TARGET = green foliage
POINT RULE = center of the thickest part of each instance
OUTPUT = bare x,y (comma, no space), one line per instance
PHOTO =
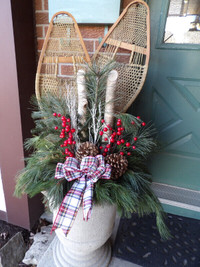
145,143
95,81
38,175
131,192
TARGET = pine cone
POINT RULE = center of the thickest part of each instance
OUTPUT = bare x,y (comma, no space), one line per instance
118,165
86,149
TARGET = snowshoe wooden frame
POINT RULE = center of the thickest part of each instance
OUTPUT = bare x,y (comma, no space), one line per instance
128,43
63,44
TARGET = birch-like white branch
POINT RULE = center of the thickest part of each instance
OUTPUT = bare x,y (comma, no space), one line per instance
82,96
110,100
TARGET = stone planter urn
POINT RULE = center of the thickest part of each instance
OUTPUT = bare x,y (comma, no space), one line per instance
87,244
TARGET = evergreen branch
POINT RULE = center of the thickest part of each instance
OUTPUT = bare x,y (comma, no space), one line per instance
130,193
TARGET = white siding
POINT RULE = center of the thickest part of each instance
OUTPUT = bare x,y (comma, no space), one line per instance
2,198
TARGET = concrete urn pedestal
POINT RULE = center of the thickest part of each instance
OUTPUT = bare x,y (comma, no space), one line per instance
87,244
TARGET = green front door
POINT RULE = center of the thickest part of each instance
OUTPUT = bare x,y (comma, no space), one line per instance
171,99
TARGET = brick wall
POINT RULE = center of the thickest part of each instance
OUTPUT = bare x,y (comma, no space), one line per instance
90,33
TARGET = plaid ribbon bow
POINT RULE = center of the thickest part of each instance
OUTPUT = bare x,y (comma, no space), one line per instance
86,173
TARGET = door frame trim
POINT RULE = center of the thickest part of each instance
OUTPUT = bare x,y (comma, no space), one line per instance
177,196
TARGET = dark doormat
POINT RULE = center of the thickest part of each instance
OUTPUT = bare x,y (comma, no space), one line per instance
139,242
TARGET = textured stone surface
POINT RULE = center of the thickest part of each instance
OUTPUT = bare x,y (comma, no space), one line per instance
86,243
42,240
48,261
115,262
48,216
13,251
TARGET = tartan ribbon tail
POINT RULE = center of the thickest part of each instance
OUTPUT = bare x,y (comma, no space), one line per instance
87,200
69,207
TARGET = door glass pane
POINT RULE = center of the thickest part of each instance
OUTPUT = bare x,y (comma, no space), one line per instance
183,22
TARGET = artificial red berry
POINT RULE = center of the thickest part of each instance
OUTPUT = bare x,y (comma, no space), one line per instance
63,118
143,123
109,126
105,129
119,133
119,129
112,140
54,114
138,117
104,154
119,120
73,142
118,143
61,145
114,134
122,141
128,153
69,141
73,130
63,124
101,132
105,139
108,145
121,153
70,135
132,122
128,144
118,123
59,115
68,120
135,138
63,131
122,129
102,121
100,147
105,149
134,147
62,135
56,127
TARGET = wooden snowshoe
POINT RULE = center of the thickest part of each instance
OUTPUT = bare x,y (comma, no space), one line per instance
63,46
128,43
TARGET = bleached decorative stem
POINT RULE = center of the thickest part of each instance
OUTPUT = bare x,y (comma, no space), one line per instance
82,96
110,98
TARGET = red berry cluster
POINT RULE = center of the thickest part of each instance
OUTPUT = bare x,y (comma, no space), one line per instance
67,134
115,139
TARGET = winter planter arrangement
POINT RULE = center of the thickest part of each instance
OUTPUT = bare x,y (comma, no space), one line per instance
90,161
